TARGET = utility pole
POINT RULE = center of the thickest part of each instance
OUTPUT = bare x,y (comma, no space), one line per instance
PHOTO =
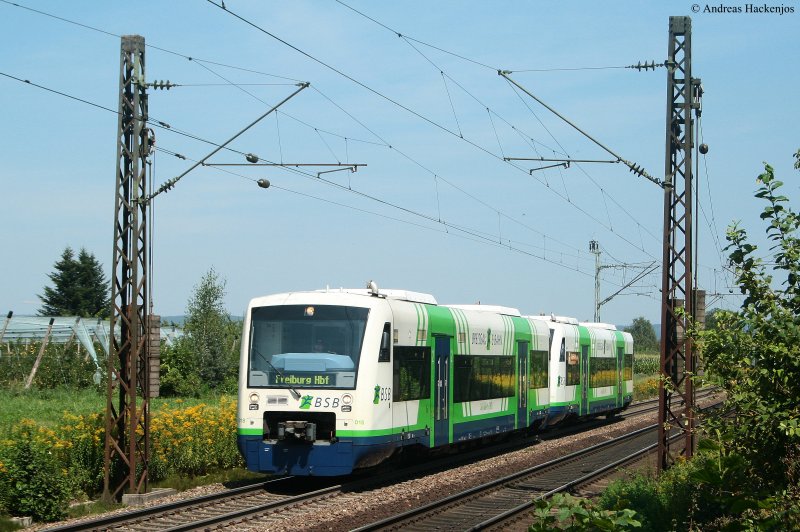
594,247
127,444
676,388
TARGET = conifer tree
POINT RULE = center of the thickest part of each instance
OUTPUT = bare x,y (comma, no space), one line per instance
79,287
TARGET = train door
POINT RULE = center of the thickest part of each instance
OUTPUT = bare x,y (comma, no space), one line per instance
522,385
441,428
584,379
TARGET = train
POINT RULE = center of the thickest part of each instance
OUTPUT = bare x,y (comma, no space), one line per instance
336,380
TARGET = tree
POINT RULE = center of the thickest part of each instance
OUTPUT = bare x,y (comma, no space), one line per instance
756,351
79,287
644,336
711,318
207,327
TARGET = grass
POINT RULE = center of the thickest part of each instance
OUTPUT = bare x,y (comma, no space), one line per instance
6,524
47,406
229,477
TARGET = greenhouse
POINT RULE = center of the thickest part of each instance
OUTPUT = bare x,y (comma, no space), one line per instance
86,332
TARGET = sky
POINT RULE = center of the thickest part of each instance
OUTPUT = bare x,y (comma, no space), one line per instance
410,90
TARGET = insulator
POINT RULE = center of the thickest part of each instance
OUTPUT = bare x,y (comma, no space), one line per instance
263,183
251,158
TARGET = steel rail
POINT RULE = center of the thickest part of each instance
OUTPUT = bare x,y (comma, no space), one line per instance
154,511
498,482
414,515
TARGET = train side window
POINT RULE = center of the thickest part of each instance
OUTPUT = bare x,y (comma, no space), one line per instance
603,372
480,377
627,367
384,355
539,369
573,369
561,354
412,373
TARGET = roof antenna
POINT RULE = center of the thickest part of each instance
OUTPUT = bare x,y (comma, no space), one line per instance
373,287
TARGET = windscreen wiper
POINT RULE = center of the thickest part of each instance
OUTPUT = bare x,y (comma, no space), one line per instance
295,393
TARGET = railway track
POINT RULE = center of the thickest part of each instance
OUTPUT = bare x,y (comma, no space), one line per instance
496,504
492,503
274,499
169,515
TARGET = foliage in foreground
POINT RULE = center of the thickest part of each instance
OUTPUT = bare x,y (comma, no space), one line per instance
567,512
42,469
756,351
710,492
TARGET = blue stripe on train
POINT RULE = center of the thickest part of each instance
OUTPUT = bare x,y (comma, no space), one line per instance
598,406
483,427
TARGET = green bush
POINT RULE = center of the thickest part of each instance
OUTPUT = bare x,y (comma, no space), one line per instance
32,481
174,383
564,511
661,504
82,449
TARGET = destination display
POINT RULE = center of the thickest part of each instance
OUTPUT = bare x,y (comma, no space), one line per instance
303,379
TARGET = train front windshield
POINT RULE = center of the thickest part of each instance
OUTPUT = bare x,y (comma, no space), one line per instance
305,346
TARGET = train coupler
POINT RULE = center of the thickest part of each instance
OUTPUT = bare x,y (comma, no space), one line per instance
297,430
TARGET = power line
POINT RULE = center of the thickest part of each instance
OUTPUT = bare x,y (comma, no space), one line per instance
443,74
201,61
389,99
166,126
473,232
462,231
416,40
154,47
386,144
636,169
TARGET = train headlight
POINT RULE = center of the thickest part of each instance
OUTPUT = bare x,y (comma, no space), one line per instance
254,397
347,399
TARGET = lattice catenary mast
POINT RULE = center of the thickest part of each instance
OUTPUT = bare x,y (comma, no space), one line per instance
127,444
676,388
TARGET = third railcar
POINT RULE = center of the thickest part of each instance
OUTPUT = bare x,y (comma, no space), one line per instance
335,380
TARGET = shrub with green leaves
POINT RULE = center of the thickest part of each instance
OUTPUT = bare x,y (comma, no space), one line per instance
661,503
755,352
32,480
564,511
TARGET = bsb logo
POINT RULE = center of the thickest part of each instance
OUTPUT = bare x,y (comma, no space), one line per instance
377,397
305,402
487,339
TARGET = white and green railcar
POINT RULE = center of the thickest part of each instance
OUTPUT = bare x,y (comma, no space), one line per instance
591,368
336,380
